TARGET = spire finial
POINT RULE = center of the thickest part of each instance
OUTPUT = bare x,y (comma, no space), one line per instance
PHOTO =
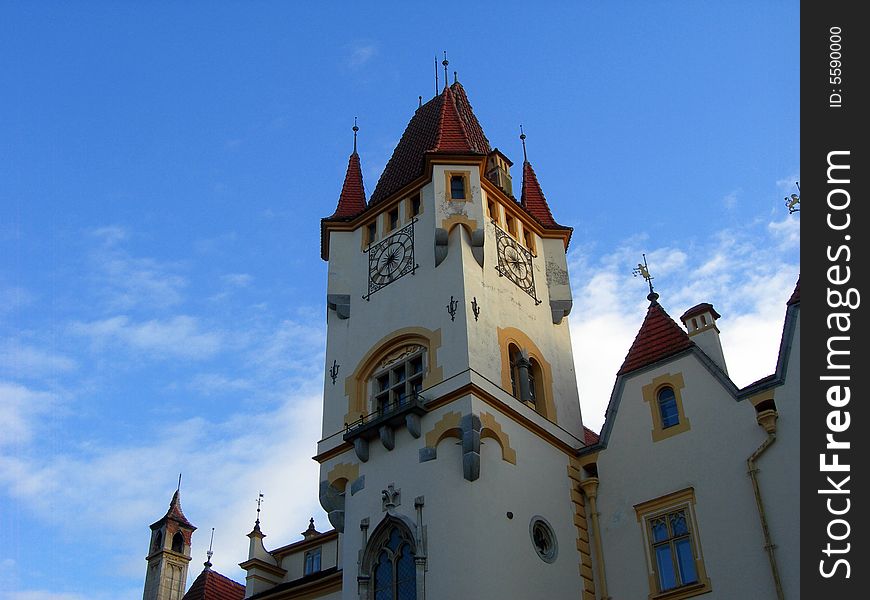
355,129
209,553
523,139
455,77
445,63
178,489
419,101
436,73
259,502
643,271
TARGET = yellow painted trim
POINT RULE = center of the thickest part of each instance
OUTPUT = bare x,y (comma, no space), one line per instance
580,523
364,234
490,428
650,396
409,215
453,220
333,452
386,219
512,335
447,426
346,472
645,511
466,183
356,383
760,397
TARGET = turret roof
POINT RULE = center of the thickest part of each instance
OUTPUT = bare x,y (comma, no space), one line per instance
211,585
659,337
352,200
174,514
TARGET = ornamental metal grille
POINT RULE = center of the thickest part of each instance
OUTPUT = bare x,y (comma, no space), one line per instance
390,259
515,262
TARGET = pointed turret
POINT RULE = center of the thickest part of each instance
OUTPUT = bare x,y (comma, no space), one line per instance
659,337
169,553
532,197
352,200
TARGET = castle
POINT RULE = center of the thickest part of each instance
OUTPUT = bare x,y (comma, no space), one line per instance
453,458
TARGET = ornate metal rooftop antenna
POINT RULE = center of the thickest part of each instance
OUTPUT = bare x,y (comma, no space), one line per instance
643,271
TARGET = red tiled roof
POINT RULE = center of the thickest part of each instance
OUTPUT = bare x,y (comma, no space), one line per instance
174,513
589,437
698,309
444,124
796,295
211,585
658,338
352,200
533,200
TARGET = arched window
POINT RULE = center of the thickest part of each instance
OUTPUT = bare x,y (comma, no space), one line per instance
158,540
178,542
400,378
536,380
668,407
527,377
394,573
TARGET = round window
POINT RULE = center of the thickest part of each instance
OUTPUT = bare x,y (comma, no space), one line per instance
543,539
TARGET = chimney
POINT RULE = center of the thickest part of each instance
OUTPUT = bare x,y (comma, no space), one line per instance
700,323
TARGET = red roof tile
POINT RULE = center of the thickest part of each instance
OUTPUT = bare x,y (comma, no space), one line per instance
533,200
658,338
174,513
444,124
796,295
211,585
589,437
352,200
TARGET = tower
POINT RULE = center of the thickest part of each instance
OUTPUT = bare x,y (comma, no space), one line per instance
451,418
168,554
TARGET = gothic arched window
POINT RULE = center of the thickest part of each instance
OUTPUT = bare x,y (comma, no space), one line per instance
178,542
394,575
158,540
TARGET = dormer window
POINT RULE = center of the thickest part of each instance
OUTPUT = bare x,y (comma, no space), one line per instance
312,561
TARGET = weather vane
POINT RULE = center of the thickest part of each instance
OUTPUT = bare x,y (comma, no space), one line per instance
643,271
259,502
794,200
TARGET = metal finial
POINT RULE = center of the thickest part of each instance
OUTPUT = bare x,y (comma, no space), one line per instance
419,101
643,271
259,502
445,63
523,139
355,129
436,74
455,77
178,489
209,553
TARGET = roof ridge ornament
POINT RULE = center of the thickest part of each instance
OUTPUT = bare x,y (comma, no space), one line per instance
209,553
445,63
355,129
643,271
523,140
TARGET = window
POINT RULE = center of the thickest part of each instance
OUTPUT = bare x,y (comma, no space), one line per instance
371,232
529,239
394,575
158,540
665,396
526,377
543,539
399,382
178,542
668,408
525,373
511,225
492,210
312,561
414,206
673,546
393,219
457,187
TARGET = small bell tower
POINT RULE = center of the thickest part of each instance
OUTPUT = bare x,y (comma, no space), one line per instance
169,553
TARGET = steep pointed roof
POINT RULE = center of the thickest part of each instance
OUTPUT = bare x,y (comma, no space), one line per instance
352,200
659,337
174,514
533,199
590,437
211,585
446,124
796,295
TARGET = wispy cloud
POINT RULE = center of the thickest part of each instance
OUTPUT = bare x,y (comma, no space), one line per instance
20,360
360,54
178,337
237,279
20,409
744,273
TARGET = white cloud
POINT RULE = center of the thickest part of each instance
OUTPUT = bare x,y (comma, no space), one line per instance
19,409
41,595
360,54
20,360
179,336
14,297
237,279
744,273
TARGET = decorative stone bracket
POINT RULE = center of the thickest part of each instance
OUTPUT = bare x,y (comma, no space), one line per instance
340,303
478,236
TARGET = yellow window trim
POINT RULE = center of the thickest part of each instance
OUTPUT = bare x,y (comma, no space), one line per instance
645,511
512,335
650,396
466,175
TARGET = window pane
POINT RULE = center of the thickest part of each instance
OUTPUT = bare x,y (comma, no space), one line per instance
384,578
659,528
668,408
686,561
417,365
457,188
395,540
678,523
383,382
665,565
399,374
406,575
